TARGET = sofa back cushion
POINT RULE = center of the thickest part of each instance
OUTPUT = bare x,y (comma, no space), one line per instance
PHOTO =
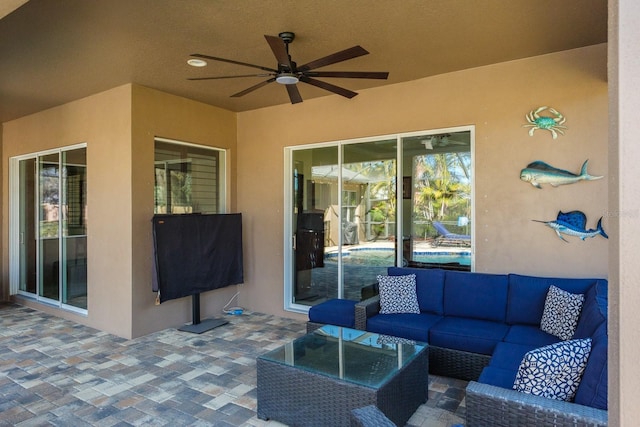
593,388
429,287
594,310
475,295
527,295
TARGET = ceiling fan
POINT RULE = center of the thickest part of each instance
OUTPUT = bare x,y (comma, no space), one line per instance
288,73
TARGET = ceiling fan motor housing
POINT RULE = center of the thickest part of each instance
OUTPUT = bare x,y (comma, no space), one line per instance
287,36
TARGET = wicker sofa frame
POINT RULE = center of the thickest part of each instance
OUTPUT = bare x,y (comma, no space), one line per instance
312,326
491,406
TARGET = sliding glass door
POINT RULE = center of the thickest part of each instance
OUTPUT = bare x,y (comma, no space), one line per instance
49,223
437,200
313,209
49,226
355,208
28,239
73,257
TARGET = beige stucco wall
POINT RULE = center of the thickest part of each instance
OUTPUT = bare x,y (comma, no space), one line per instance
119,127
158,114
495,100
103,121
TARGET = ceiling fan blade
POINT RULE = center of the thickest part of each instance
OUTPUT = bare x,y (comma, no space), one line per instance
328,86
252,88
350,74
294,94
279,49
231,61
343,55
229,77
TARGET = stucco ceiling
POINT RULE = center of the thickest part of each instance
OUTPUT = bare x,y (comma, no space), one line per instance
52,52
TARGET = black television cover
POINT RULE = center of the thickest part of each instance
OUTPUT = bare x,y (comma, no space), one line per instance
195,253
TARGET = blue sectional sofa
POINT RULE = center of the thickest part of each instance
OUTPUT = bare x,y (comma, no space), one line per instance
479,326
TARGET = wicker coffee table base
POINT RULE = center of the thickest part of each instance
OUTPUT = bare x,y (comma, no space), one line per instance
301,398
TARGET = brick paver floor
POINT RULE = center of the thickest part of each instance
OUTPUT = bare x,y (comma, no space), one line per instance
56,372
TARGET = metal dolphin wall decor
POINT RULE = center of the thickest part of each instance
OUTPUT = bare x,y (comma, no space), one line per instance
542,173
573,224
554,124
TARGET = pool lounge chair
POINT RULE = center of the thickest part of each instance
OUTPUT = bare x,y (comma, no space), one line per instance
446,238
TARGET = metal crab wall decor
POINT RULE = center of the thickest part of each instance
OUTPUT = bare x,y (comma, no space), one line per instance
554,124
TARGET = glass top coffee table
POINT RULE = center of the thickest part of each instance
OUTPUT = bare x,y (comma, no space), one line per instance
317,379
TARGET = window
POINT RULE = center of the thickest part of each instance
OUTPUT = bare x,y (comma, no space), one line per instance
355,208
188,178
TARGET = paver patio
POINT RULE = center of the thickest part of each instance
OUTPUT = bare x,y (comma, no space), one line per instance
57,372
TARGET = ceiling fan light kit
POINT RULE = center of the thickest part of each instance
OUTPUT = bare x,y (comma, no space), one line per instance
289,74
194,62
287,79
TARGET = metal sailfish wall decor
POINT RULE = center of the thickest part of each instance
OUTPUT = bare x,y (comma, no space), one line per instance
574,224
553,123
542,173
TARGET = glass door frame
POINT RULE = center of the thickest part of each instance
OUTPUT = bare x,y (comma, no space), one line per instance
14,228
288,235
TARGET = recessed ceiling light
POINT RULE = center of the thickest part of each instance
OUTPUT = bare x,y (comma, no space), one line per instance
197,62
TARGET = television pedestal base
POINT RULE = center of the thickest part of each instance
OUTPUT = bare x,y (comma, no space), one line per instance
203,326
197,326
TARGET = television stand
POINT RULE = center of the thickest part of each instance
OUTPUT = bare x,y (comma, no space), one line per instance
198,326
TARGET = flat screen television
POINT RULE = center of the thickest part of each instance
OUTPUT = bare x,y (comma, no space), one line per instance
196,253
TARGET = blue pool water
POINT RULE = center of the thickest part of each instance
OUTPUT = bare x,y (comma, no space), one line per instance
386,257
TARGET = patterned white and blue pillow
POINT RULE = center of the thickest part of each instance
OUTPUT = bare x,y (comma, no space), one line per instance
398,294
561,313
389,339
554,371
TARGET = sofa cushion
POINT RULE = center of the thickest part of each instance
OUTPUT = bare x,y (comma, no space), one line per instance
473,335
553,371
429,287
508,356
528,293
411,326
498,377
339,312
398,294
594,310
561,313
529,335
593,387
475,295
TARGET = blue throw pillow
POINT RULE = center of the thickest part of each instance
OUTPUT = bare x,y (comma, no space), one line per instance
554,371
561,313
398,294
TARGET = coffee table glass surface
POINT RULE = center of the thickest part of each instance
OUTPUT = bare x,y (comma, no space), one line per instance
360,357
